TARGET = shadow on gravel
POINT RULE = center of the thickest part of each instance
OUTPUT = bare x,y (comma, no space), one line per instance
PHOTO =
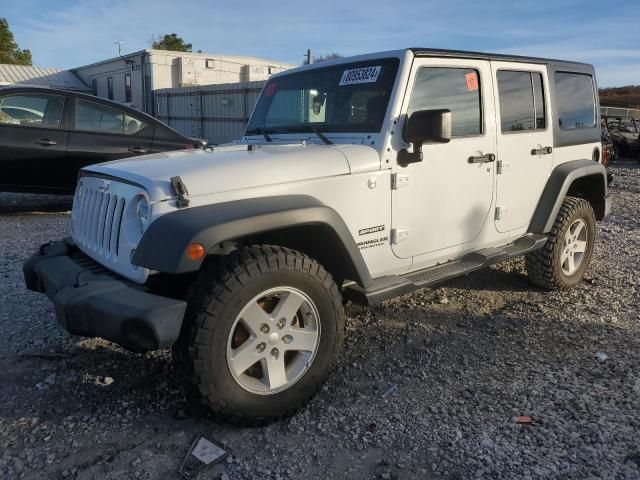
494,279
20,203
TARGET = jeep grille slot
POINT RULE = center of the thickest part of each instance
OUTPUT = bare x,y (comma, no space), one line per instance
100,221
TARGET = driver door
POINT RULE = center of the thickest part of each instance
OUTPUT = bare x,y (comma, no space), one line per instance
444,200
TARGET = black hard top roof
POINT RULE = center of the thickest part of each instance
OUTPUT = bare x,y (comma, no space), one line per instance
433,52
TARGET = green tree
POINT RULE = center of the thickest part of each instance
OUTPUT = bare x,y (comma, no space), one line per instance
330,56
170,42
9,51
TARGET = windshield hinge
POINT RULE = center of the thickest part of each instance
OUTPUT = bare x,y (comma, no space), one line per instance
179,189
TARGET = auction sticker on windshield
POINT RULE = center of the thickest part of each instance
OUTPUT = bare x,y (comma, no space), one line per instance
360,75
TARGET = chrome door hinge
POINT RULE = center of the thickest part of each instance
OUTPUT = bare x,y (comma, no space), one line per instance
501,212
399,235
399,180
501,167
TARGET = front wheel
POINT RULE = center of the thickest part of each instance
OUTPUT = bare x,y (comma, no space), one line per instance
263,331
563,260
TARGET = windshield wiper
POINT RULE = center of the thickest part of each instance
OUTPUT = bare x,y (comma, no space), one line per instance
260,131
321,136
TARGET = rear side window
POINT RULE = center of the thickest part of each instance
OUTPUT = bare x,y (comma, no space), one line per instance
455,89
98,118
576,101
32,110
522,105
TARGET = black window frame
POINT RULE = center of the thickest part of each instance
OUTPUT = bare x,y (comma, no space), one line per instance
481,100
593,98
545,101
110,88
127,87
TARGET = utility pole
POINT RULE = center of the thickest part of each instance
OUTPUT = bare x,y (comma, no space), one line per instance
309,57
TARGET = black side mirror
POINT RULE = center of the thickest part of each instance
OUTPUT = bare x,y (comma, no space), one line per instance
425,126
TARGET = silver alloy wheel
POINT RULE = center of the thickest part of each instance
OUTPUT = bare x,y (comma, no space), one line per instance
273,340
574,248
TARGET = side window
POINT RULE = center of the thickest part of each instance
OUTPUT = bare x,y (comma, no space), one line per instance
94,87
132,125
455,89
32,110
522,105
98,118
576,101
110,88
127,88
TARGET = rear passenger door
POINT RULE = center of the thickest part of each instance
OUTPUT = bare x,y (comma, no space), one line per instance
524,141
102,133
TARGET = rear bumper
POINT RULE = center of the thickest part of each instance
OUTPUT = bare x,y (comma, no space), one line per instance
99,305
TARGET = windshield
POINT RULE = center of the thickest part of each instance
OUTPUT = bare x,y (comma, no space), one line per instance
349,97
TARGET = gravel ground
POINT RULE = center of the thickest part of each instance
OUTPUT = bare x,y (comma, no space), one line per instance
459,364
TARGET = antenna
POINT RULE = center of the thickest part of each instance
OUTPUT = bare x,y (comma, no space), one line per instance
119,43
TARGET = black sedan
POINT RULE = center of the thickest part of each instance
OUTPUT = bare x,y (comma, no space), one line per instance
47,136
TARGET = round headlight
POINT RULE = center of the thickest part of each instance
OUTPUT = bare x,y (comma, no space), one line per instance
142,213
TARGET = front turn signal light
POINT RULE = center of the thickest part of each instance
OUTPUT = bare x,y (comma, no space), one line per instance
195,251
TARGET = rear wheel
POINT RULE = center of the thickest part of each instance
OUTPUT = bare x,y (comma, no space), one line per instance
562,262
264,330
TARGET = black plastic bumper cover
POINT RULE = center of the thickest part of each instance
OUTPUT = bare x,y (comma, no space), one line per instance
93,305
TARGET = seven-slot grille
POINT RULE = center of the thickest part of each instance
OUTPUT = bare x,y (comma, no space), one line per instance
100,221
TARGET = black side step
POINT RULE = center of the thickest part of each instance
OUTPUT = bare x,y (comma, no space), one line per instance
385,288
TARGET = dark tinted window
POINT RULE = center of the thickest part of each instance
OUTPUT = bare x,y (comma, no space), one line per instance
94,87
522,105
455,89
110,88
127,87
576,102
98,118
32,110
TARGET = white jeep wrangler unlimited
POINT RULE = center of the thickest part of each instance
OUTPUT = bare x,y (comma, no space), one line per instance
359,179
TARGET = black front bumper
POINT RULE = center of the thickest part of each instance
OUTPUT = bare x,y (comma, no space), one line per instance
99,304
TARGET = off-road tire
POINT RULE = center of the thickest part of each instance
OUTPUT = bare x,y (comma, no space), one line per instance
544,266
222,288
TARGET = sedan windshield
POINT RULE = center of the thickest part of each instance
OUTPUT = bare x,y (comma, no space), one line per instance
341,98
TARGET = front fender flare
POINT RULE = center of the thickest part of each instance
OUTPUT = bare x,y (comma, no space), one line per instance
164,243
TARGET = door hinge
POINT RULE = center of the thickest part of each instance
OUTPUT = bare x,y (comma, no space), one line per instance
501,166
501,212
399,180
399,235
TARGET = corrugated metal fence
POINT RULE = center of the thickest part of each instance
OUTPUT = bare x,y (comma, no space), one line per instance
217,113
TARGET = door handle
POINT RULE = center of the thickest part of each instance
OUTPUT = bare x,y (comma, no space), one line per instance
138,150
541,151
47,142
489,157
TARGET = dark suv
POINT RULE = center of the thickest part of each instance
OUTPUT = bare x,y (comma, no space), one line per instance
47,136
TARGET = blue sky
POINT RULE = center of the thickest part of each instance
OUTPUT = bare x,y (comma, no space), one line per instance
69,33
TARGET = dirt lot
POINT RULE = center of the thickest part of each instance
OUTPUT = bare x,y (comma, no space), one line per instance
464,360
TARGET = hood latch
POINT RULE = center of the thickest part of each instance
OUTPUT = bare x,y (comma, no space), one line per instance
180,190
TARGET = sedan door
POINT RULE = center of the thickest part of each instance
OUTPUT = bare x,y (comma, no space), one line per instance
33,142
102,133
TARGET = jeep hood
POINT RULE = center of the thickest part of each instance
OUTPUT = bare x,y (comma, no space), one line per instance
237,167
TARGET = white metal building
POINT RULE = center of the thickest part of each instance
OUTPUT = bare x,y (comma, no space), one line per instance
132,78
